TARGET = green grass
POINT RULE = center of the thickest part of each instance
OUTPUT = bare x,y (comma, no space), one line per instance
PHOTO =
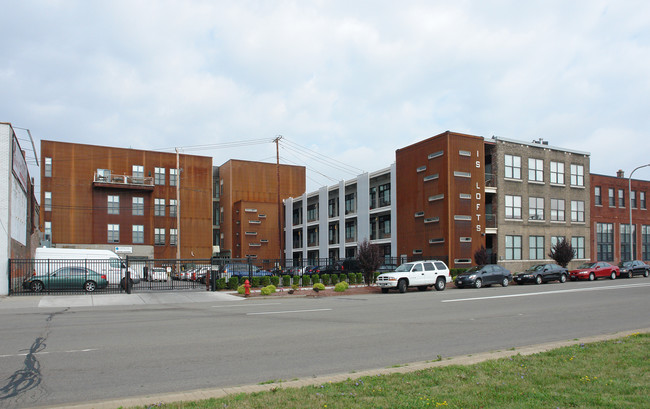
608,374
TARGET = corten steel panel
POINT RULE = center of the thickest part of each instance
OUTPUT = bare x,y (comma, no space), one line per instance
618,215
413,194
263,244
80,214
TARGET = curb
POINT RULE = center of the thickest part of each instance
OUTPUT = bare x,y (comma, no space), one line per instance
201,394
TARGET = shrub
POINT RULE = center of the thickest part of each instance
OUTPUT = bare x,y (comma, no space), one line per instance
240,289
286,280
265,291
319,286
275,280
233,283
352,278
221,283
334,278
340,287
343,277
325,278
266,280
374,276
345,283
359,278
306,280
256,282
272,288
315,278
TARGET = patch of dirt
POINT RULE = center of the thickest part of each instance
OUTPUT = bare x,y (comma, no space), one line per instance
309,292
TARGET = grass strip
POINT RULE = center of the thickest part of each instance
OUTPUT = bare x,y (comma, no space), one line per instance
607,374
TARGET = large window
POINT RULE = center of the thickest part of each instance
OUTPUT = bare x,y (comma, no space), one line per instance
557,210
536,247
578,244
557,173
173,177
384,195
612,199
625,242
159,176
138,234
173,208
333,207
577,211
577,175
138,206
312,212
536,208
605,241
47,206
159,207
645,242
513,247
159,237
621,198
513,207
535,170
642,200
598,197
47,170
113,233
633,198
113,204
350,203
513,167
350,231
138,171
173,237
48,231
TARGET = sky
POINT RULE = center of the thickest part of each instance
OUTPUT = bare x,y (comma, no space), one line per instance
345,83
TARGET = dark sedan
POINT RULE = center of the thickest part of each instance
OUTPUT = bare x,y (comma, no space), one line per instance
634,268
484,275
542,273
67,278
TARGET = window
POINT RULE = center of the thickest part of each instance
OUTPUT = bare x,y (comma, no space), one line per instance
556,239
557,173
460,174
513,207
421,169
48,231
431,177
47,169
598,198
535,170
464,153
577,175
113,233
621,198
159,237
159,207
605,241
113,204
138,206
536,247
642,200
384,195
577,211
557,210
645,242
159,176
612,200
173,208
138,171
513,167
138,234
513,247
625,242
633,198
436,154
578,244
333,207
350,231
173,177
536,208
173,236
333,234
350,203
47,206
312,212
297,216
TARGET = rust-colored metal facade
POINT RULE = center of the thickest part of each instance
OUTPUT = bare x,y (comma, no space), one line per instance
610,218
80,178
251,205
440,194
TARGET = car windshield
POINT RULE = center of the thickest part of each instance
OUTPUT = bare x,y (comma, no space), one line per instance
625,264
536,267
473,269
404,267
587,265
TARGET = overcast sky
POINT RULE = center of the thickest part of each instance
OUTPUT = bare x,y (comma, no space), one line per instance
349,80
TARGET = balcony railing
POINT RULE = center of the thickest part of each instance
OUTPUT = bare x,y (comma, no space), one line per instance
123,180
490,220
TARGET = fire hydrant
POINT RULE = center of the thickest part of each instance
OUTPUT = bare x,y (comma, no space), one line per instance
247,288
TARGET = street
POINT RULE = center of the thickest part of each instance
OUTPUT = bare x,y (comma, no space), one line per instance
69,354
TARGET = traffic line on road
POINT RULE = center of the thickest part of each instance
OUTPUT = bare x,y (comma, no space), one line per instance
287,312
244,305
48,352
615,287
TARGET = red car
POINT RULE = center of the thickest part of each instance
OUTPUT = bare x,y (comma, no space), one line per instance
592,271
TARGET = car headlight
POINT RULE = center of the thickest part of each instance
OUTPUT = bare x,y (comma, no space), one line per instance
392,279
473,276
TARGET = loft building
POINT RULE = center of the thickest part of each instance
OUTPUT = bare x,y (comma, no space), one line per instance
613,201
134,201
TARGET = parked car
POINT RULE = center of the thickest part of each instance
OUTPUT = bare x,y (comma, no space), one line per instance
243,270
66,278
420,274
485,275
157,274
542,273
592,271
632,268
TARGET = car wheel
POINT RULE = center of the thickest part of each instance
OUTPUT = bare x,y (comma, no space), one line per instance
422,288
645,273
538,280
563,278
478,283
504,282
441,283
401,286
629,275
37,286
592,277
90,286
384,290
613,275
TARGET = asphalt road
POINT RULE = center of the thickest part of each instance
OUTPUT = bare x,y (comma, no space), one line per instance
52,356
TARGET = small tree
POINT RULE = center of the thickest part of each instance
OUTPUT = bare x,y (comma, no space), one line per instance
369,259
481,256
562,252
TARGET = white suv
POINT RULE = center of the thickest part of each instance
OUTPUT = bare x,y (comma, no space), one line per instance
420,274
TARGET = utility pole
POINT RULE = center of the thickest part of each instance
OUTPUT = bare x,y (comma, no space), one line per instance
178,207
277,168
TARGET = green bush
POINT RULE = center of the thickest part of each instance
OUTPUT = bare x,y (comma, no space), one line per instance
240,289
269,289
340,287
345,283
325,278
233,283
334,278
221,283
272,288
352,278
359,278
315,278
256,282
343,277
275,280
319,286
306,280
286,281
295,280
266,280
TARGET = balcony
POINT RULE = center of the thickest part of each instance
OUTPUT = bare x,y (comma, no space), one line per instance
123,181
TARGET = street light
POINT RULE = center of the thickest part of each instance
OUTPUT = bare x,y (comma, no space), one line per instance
629,195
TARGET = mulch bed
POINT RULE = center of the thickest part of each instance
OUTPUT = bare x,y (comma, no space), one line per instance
309,292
